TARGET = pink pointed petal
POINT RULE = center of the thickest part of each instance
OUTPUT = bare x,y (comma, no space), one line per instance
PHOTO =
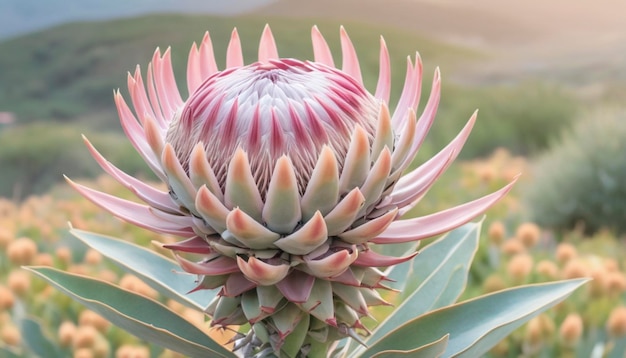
225,248
194,73
151,196
136,135
136,214
414,184
383,88
153,93
437,223
178,179
236,284
411,92
321,51
166,84
407,90
207,58
262,273
201,173
425,121
371,258
281,212
241,189
248,231
186,219
201,63
344,214
403,144
419,71
357,162
139,96
210,282
376,181
409,196
159,83
211,209
362,234
350,64
153,135
267,47
196,245
201,227
307,238
322,191
221,265
234,55
296,286
384,136
332,265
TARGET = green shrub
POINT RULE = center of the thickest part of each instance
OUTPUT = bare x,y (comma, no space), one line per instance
35,157
581,181
523,117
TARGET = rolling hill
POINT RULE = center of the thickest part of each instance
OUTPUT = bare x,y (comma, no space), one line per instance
69,71
22,16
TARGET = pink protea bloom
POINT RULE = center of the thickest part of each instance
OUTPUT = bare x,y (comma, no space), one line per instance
285,175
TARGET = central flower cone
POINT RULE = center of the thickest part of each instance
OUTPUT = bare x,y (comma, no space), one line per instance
285,176
270,109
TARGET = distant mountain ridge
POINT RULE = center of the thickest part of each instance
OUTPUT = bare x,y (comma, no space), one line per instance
23,16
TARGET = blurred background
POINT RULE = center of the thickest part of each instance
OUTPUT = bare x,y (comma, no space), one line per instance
548,76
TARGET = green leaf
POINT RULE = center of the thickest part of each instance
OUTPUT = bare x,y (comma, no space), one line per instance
441,274
431,350
141,316
35,339
158,271
458,244
475,326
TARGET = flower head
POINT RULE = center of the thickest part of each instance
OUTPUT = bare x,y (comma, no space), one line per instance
285,175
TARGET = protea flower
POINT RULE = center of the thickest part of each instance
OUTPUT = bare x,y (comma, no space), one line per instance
284,175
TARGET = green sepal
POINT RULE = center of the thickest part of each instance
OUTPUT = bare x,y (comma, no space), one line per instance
293,343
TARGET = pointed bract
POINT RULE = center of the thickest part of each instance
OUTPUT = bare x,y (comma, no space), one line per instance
282,176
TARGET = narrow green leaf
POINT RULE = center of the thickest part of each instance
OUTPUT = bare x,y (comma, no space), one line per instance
475,326
441,271
36,341
430,350
462,241
141,316
161,273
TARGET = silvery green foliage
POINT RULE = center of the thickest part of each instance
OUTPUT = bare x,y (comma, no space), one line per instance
581,180
427,322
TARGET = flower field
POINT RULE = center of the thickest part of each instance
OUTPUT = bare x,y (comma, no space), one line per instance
301,196
511,252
